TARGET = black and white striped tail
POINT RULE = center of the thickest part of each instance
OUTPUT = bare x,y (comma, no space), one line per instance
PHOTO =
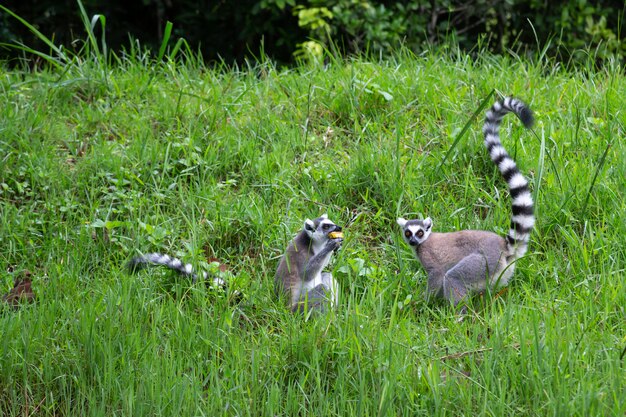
176,264
523,218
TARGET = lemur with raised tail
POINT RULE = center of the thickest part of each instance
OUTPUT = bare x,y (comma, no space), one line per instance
154,259
299,275
468,261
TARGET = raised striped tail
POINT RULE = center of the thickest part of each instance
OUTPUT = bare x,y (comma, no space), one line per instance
176,264
523,218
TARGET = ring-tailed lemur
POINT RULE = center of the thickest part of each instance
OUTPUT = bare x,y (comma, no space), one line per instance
299,274
467,261
140,262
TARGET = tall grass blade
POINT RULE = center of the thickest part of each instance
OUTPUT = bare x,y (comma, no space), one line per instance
179,43
540,168
99,53
61,55
166,38
46,57
103,20
167,33
483,105
595,177
555,170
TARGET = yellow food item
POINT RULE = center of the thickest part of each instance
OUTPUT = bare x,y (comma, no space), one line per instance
335,235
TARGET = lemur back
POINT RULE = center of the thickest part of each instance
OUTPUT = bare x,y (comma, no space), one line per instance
467,261
299,274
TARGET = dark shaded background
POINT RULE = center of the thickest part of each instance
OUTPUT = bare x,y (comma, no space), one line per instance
233,30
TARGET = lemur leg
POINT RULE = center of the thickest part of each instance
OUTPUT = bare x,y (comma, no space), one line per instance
471,273
435,285
317,298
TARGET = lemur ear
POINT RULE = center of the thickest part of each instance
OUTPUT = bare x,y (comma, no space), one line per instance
401,221
309,225
428,223
324,216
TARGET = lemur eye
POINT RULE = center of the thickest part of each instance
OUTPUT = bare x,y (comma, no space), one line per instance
326,226
420,233
407,233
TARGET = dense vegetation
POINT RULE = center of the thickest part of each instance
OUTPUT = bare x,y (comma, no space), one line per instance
285,29
102,160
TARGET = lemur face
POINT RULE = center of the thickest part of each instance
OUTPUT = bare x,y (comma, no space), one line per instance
415,232
319,228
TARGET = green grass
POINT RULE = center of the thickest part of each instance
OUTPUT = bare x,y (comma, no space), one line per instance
99,162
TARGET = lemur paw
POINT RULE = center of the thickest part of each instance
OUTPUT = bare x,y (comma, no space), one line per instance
334,244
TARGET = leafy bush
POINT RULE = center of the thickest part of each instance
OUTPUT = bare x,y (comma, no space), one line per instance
378,27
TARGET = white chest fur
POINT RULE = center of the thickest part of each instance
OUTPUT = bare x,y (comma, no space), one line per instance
330,285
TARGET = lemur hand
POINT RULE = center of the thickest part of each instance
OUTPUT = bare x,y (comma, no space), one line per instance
334,244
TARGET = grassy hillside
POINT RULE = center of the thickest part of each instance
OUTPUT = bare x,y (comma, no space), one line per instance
98,165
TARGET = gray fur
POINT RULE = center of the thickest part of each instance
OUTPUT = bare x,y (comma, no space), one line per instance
299,275
467,261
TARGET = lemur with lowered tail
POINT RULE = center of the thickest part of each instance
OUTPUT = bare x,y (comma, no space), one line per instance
299,275
468,261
